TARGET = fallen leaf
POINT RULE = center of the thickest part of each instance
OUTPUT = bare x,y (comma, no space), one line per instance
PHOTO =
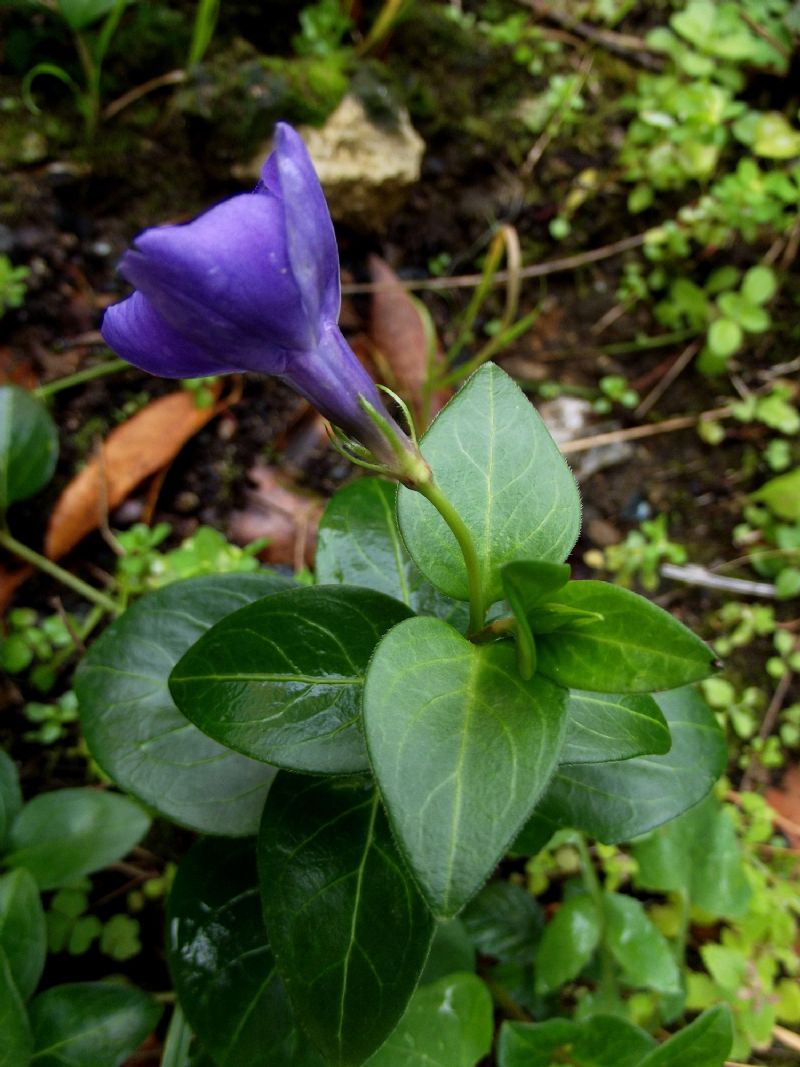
10,581
286,518
786,801
138,448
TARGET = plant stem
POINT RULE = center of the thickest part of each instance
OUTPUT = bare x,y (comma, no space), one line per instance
179,1038
100,370
78,586
432,492
608,991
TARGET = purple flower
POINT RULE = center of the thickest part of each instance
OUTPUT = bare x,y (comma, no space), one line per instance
251,285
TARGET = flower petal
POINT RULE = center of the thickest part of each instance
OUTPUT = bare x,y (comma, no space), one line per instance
225,280
310,238
136,332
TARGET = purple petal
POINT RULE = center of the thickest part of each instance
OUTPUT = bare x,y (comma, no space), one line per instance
225,280
136,331
310,238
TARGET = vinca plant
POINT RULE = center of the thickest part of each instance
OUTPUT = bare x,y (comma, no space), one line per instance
360,753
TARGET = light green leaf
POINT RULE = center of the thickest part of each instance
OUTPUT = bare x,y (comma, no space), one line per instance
568,943
494,459
638,946
637,648
281,679
775,138
438,711
221,962
16,1041
28,445
602,728
601,1041
359,544
348,926
782,495
63,835
447,1024
724,337
23,933
94,1024
759,284
135,731
619,801
704,1043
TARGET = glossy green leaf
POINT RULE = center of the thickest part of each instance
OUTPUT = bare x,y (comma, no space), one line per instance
16,1040
568,943
505,922
706,1042
94,1024
498,465
135,731
461,747
359,544
281,680
619,801
348,926
601,1041
637,648
23,934
605,727
10,796
697,853
448,1024
452,949
639,947
221,963
63,835
28,445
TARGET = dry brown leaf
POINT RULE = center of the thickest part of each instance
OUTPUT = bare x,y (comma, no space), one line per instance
139,447
276,511
10,581
786,801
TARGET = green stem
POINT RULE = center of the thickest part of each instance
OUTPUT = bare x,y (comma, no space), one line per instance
609,990
179,1040
434,494
64,577
100,370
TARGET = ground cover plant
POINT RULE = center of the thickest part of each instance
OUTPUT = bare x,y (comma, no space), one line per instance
425,778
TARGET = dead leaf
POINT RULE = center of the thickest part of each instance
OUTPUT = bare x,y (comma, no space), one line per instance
10,581
786,802
398,338
278,512
139,447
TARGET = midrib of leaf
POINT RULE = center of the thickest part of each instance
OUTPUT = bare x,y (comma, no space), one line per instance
308,679
469,705
354,917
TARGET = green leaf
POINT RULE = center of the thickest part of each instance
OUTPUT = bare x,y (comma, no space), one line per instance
601,1041
281,679
568,943
606,727
704,1043
452,950
525,584
782,495
23,933
638,945
62,835
724,337
132,726
79,14
359,544
439,712
348,926
94,1024
619,801
221,962
637,648
16,1040
759,284
28,445
699,854
505,922
10,796
448,1024
496,462
775,138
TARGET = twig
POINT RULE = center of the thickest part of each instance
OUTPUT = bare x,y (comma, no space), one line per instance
693,574
172,77
786,1037
624,44
536,270
680,422
763,33
768,722
553,124
658,390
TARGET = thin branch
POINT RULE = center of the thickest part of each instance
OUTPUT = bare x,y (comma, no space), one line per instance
633,433
172,77
658,390
624,44
694,574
